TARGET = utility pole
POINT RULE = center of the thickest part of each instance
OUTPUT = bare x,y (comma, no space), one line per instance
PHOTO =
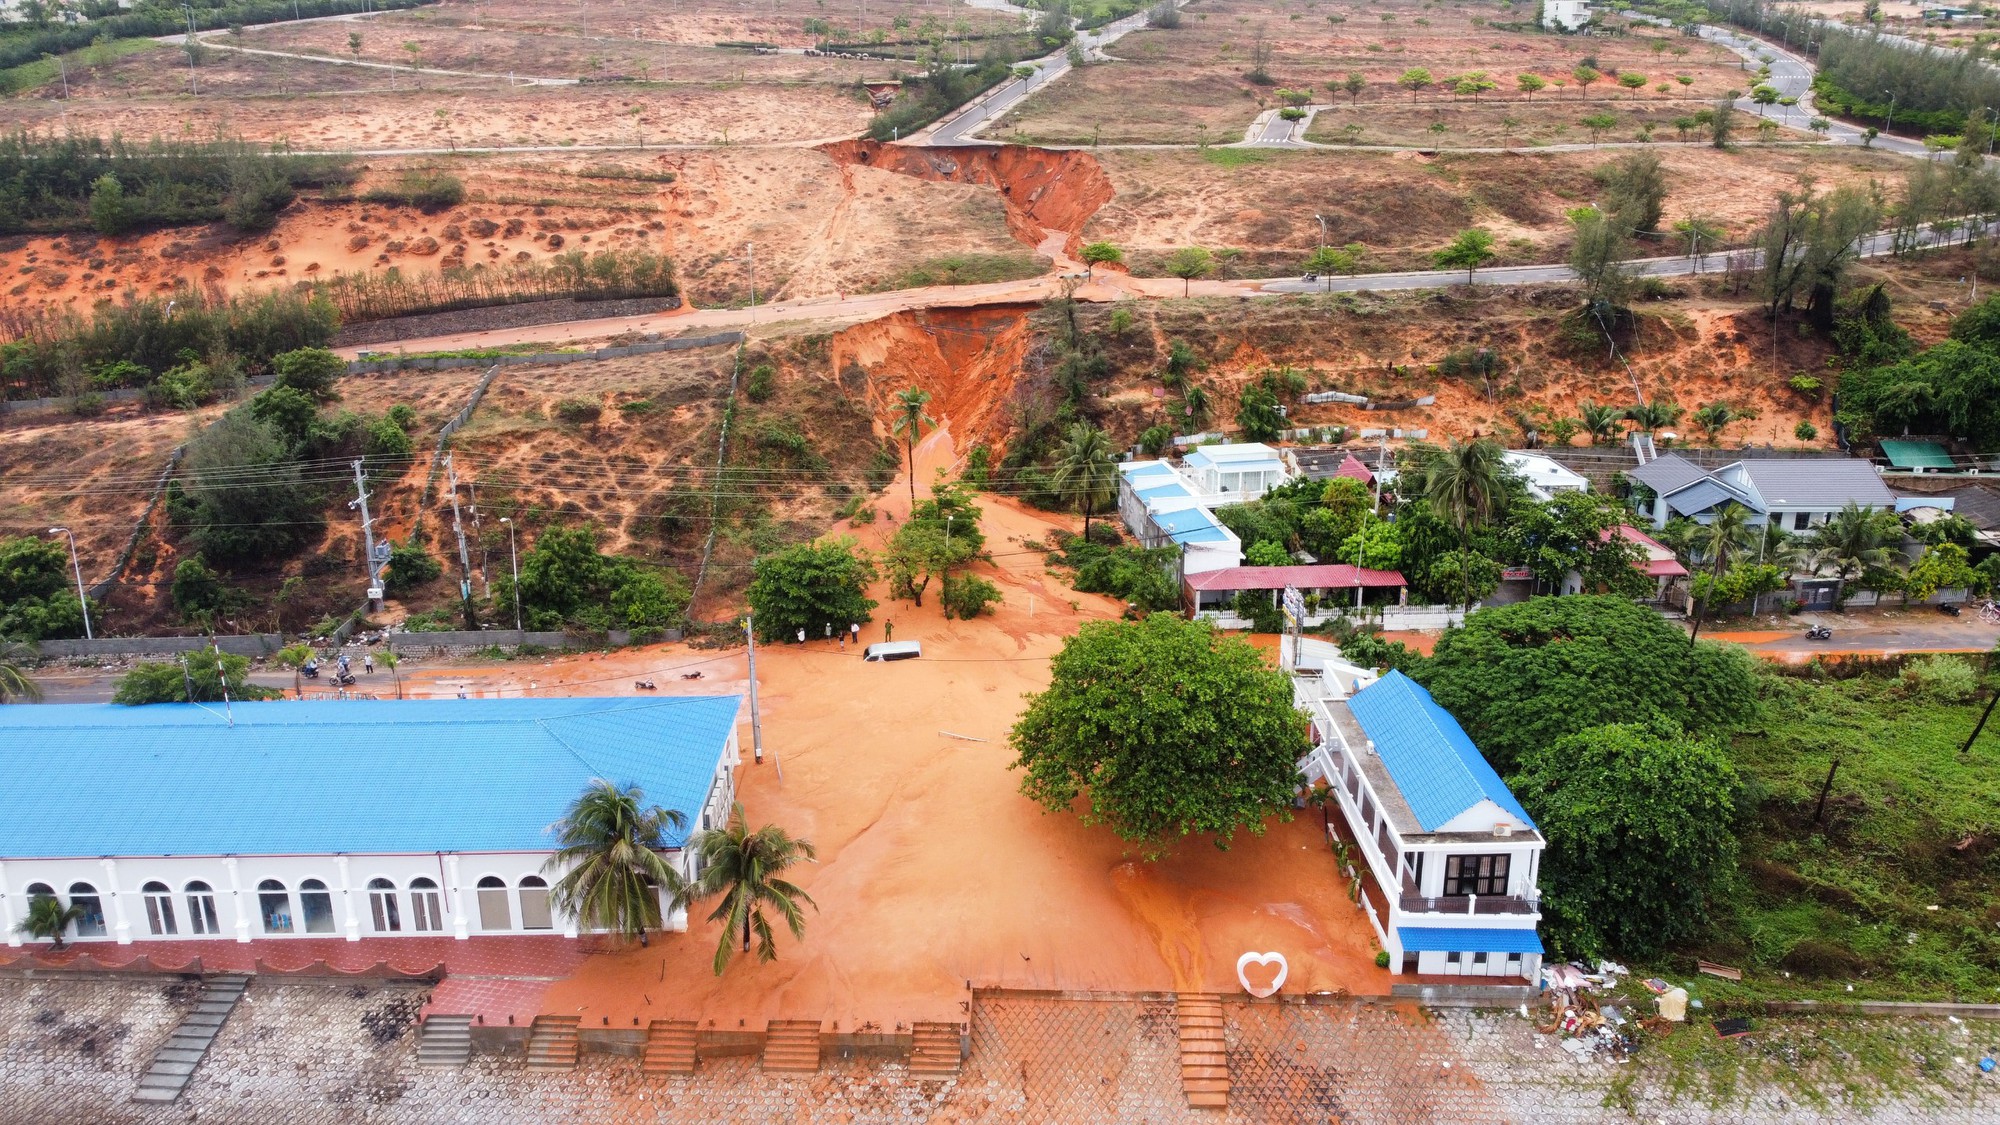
756,722
192,47
472,496
514,560
464,562
367,532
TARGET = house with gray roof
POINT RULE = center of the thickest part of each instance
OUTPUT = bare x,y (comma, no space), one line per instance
1797,493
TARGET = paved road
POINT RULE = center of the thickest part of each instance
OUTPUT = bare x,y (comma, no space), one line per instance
961,127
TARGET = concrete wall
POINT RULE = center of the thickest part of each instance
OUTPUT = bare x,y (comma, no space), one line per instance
256,644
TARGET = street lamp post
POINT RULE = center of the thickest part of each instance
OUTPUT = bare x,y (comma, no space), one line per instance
82,602
1889,122
514,563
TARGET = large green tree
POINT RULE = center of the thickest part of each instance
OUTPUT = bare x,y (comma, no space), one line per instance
1521,676
1085,471
38,598
565,580
241,496
609,867
744,868
1167,729
1639,819
811,586
1574,532
909,422
191,677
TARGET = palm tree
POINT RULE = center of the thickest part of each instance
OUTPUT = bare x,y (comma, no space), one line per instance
48,918
1650,416
1467,485
910,418
1714,418
742,866
15,683
613,871
1196,405
1718,541
1853,540
388,661
1084,469
1600,422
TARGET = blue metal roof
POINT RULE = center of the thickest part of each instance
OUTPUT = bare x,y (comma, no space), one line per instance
1438,770
1445,939
1191,525
1706,493
346,776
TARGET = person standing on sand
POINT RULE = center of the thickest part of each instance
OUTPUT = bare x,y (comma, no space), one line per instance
855,629
802,634
888,631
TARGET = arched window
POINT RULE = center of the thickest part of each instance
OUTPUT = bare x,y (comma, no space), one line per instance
535,904
201,909
382,904
495,913
159,909
425,912
90,922
276,907
316,907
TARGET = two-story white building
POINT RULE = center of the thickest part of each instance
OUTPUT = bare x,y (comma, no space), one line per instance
354,819
1448,858
1168,505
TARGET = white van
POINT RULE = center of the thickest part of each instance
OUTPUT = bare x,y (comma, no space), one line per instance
893,650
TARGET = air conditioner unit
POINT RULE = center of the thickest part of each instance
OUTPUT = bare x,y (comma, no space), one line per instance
1503,829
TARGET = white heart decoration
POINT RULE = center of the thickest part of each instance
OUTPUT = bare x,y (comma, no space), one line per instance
1277,981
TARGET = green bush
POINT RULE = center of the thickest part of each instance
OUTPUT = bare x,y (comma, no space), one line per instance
576,411
966,596
762,383
411,565
1257,607
426,189
198,592
310,370
1941,677
1134,574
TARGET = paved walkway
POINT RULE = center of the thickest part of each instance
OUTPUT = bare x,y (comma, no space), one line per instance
329,1054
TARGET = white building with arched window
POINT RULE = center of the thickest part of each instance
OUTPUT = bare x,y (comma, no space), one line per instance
352,819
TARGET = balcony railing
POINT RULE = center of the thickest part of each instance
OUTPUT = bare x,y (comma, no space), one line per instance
1466,904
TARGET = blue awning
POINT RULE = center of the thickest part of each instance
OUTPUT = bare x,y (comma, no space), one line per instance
1443,939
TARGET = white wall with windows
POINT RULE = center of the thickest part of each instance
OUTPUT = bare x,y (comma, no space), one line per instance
246,898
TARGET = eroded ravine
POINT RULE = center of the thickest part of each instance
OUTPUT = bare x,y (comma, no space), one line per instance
969,359
1045,192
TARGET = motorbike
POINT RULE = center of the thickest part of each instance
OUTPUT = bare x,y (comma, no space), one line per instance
1818,633
310,670
1948,610
343,679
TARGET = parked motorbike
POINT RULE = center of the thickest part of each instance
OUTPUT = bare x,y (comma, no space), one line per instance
1948,610
1818,633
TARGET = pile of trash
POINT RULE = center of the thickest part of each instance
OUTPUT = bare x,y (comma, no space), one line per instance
1586,1028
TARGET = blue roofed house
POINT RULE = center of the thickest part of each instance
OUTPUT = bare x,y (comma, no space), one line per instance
358,819
1166,505
1448,858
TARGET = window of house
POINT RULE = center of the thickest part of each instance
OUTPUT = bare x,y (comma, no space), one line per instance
274,904
426,912
201,909
159,910
1475,874
90,919
383,907
495,913
316,907
535,904
1800,520
1452,957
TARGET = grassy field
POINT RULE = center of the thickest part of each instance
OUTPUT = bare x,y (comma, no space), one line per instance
1895,889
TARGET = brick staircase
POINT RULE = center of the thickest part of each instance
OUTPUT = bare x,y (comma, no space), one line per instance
939,1051
552,1043
174,1063
792,1046
670,1047
446,1041
1204,1059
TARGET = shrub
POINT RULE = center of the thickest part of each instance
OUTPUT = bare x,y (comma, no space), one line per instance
1805,431
1804,384
87,405
1256,607
411,565
966,596
311,370
577,411
762,383
198,592
1943,677
426,189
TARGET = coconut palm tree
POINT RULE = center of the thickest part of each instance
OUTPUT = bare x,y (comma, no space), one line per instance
1466,484
1600,422
743,867
15,683
1852,541
388,661
910,418
48,918
612,869
1196,404
1084,469
1726,535
1650,416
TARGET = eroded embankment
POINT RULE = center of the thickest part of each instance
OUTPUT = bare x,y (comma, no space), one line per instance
1044,190
967,358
